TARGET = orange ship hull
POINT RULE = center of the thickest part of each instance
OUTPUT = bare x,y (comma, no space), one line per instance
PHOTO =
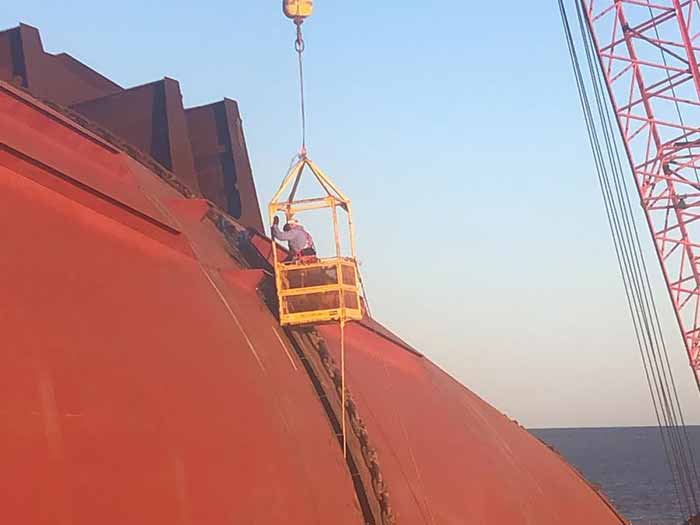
144,379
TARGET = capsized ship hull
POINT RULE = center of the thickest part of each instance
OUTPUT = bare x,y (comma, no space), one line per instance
143,377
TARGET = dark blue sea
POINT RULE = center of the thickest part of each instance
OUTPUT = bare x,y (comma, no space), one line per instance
628,464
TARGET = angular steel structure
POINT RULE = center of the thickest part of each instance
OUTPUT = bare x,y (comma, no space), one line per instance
648,51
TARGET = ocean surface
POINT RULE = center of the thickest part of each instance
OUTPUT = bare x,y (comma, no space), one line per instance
628,465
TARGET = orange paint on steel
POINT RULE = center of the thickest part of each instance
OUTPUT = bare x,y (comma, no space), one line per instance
129,395
445,453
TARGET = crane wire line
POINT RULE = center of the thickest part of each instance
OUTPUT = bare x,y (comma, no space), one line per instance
662,384
299,46
663,369
653,357
681,429
613,225
622,262
697,177
634,273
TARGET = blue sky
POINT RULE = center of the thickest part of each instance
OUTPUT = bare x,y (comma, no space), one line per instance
455,130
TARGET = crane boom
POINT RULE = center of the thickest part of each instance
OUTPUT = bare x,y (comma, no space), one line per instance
647,51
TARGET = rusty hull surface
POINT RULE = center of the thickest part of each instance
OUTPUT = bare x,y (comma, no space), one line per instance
150,118
144,379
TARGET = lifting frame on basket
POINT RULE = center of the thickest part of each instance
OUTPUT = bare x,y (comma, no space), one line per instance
321,290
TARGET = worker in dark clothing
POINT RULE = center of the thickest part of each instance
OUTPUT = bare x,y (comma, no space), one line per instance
299,240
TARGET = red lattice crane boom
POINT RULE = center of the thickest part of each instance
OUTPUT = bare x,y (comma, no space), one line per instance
648,53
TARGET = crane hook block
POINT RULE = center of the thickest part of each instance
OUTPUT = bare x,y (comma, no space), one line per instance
298,9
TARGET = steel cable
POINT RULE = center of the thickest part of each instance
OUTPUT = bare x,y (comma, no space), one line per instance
620,170
661,365
632,266
299,46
